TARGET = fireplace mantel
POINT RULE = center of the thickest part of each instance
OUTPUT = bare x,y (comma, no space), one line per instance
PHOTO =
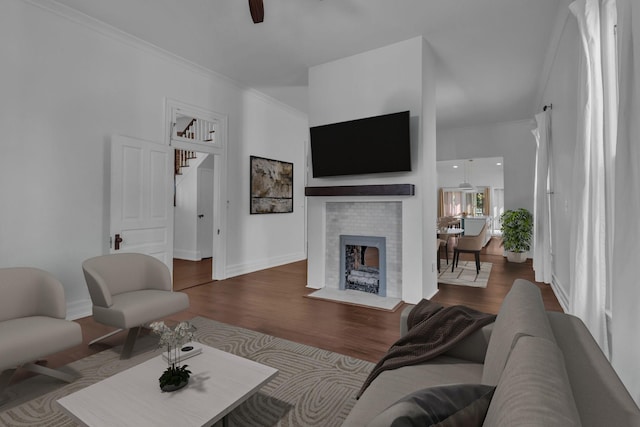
362,190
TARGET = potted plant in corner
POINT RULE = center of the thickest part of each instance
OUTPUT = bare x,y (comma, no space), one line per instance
517,231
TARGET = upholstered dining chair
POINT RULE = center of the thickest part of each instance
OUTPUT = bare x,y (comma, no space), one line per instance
130,290
443,238
32,323
471,244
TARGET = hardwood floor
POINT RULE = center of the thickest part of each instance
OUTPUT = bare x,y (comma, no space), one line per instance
503,274
273,301
187,274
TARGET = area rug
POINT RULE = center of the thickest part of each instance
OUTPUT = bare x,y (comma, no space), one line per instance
353,297
314,387
465,274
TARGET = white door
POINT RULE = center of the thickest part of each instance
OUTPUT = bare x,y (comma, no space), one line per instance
142,198
205,212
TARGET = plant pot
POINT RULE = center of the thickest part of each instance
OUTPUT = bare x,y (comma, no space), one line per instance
518,257
172,387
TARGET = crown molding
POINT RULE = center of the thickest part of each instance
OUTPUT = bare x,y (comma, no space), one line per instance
116,34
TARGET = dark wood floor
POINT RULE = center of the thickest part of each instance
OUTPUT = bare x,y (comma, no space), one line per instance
188,274
273,301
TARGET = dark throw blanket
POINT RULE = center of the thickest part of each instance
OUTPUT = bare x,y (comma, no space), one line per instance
432,330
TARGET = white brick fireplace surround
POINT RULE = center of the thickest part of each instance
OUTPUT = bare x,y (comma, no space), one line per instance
380,219
411,281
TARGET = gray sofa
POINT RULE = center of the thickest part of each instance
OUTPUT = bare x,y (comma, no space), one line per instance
546,368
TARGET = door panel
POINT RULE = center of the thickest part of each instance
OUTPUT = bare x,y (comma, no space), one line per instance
141,197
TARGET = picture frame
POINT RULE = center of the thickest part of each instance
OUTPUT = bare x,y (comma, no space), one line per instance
271,186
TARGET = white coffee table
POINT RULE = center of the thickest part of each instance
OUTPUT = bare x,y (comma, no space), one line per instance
219,382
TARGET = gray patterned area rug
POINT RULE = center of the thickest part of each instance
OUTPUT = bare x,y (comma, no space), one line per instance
314,387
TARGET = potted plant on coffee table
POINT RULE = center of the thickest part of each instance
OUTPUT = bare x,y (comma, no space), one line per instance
176,375
517,231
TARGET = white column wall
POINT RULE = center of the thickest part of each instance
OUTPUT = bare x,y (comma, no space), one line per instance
381,81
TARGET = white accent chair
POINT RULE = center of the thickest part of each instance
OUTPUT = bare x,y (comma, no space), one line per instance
130,290
32,322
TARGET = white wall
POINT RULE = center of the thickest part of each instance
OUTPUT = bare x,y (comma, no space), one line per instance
511,140
394,78
562,91
66,87
185,239
261,241
185,216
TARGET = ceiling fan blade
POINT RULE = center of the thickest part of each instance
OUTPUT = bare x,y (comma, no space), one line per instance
257,11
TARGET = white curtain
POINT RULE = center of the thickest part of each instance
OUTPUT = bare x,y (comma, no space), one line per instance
590,244
626,256
541,206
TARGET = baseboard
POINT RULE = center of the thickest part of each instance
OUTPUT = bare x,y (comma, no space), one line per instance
250,267
187,255
561,295
79,309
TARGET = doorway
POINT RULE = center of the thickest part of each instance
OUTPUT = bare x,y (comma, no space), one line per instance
472,188
193,220
199,140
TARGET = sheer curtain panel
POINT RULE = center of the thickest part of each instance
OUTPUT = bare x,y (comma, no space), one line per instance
541,209
588,269
626,256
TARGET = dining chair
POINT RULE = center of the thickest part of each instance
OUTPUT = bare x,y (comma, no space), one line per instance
469,244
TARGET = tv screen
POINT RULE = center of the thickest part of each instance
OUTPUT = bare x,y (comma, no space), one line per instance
372,145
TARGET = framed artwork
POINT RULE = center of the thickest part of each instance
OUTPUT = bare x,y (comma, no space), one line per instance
271,186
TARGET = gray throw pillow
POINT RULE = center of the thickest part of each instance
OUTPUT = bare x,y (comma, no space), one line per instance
455,405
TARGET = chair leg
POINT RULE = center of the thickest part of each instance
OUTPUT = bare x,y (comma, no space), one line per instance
5,379
43,370
453,260
477,254
127,349
446,251
105,336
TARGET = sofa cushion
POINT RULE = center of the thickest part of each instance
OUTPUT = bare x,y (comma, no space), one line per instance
534,388
452,405
27,339
392,385
522,313
601,398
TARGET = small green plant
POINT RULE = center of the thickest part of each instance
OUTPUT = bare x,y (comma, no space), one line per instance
517,230
174,375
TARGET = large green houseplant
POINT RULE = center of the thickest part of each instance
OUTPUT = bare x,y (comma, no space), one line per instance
517,232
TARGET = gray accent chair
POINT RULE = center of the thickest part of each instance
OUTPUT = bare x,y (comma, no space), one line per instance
32,323
130,290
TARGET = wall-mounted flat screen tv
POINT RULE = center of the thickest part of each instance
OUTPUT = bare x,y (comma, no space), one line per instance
371,145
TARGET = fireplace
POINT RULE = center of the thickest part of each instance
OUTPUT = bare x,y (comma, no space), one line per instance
361,219
363,265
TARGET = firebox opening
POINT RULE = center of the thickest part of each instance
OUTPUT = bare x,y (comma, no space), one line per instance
362,272
363,264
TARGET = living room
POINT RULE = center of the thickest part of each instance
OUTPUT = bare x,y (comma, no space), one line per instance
73,81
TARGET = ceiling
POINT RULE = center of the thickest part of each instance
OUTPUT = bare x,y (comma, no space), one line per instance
490,53
484,171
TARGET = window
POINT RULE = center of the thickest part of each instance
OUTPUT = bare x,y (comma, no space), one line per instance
456,203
